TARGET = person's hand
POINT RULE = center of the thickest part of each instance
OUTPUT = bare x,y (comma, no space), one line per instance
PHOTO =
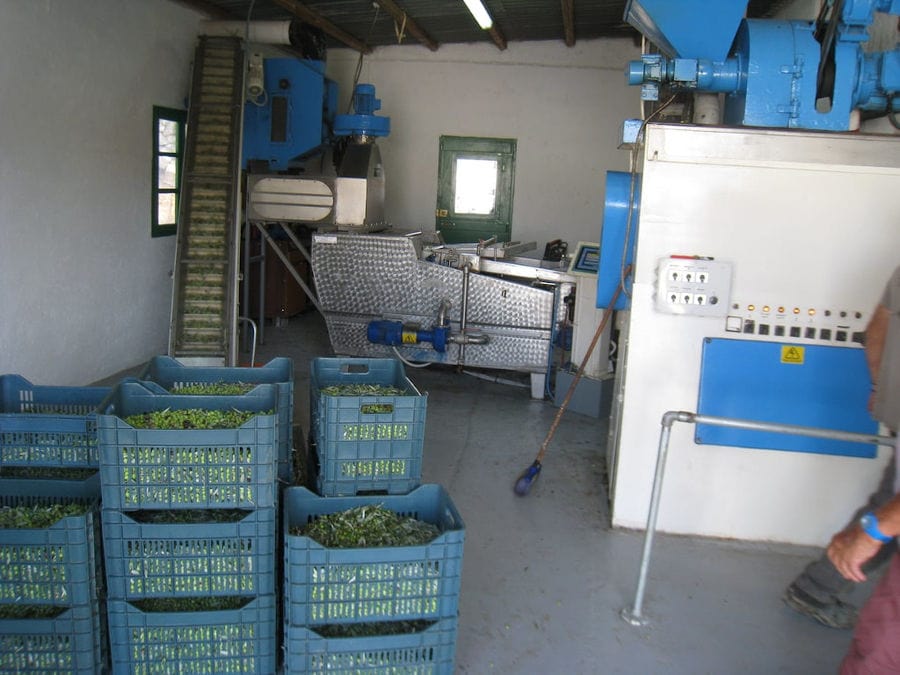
849,550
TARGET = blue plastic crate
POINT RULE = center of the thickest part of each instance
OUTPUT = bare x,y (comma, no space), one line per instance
69,643
48,426
172,375
429,652
177,560
356,585
366,443
58,565
228,641
187,468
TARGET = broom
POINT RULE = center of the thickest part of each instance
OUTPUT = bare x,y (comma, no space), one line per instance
527,477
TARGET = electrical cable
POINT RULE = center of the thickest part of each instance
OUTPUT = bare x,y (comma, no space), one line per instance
261,100
247,22
635,151
359,62
410,363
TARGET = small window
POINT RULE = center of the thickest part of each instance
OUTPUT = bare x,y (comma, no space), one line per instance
168,150
475,186
476,177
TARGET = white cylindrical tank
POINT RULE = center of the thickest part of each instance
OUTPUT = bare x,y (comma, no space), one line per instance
264,32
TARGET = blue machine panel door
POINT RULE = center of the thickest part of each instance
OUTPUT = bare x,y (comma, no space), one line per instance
617,237
808,385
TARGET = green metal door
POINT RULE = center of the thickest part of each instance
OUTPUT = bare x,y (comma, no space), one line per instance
476,177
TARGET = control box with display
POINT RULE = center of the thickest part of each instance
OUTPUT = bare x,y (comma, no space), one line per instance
586,259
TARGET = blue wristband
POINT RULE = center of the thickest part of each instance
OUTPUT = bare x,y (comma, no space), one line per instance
869,523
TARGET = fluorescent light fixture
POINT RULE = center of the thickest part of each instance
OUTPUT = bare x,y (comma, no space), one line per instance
479,13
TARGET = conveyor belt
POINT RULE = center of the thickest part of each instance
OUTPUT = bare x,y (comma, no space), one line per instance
203,325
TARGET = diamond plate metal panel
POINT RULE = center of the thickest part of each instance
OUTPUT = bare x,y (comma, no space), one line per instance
523,350
364,277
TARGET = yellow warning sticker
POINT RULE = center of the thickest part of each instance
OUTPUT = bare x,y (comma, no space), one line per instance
409,337
792,354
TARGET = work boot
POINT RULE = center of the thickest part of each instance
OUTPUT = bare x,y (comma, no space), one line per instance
833,613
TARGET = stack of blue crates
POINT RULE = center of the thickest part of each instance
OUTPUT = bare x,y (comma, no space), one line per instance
369,448
50,615
174,376
366,443
49,427
221,487
408,587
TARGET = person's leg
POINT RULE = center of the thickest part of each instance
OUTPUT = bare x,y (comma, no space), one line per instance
817,589
876,641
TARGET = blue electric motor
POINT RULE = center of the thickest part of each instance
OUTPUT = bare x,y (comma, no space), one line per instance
396,333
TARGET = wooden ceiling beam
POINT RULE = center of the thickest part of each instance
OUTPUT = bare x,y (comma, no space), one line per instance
568,17
497,37
400,16
303,12
208,8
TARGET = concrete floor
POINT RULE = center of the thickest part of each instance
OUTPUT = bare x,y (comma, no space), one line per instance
545,577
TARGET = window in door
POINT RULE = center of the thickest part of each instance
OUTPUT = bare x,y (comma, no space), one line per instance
168,151
476,177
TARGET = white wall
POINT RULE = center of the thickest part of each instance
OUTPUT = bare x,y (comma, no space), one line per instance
84,290
565,107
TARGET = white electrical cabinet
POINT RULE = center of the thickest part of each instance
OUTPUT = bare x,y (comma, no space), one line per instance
794,234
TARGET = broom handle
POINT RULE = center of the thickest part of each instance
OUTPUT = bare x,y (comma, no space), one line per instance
562,408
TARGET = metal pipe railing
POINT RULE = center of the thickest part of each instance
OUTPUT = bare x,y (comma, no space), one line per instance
253,342
464,311
633,614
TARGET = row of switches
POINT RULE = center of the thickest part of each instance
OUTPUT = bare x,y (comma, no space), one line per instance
809,332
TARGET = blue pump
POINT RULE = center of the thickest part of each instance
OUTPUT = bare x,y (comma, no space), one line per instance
396,333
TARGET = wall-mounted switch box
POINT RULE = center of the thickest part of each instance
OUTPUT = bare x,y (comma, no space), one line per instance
693,285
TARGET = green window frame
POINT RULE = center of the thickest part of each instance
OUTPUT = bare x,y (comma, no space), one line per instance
491,167
168,155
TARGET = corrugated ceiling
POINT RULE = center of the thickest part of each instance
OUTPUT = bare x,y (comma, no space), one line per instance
373,22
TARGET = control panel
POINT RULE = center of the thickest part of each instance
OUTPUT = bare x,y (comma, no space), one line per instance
586,259
694,285
782,320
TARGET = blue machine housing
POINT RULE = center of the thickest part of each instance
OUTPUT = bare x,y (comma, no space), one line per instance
827,388
295,117
689,27
771,74
615,252
787,97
